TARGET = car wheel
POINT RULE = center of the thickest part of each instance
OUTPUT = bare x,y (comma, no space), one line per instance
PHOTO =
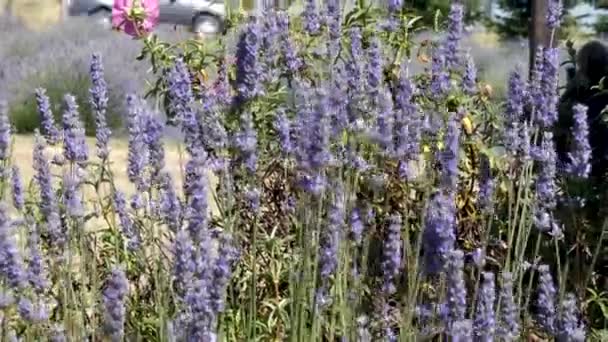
102,17
205,24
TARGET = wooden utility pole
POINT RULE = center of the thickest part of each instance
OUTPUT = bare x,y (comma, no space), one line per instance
539,34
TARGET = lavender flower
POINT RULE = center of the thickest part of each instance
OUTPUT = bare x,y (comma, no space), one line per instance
535,95
439,237
462,330
569,328
137,153
374,71
35,271
283,129
11,263
508,328
485,321
153,135
181,103
50,131
579,165
114,298
170,205
545,303
184,267
457,293
247,64
246,142
554,13
48,201
354,70
357,226
469,78
222,84
440,78
196,191
75,148
126,223
269,35
289,53
330,247
334,24
71,196
408,126
32,312
99,102
17,188
5,132
395,5
391,263
545,183
311,20
454,35
221,273
549,82
514,110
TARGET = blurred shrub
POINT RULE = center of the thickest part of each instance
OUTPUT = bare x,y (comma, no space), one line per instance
58,60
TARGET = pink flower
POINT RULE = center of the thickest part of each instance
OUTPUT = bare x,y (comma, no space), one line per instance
136,18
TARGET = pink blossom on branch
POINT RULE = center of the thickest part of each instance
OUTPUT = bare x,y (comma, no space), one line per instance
136,18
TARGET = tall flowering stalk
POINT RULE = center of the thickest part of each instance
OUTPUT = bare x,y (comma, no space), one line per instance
75,148
114,298
485,321
99,103
310,16
454,35
545,303
580,155
569,329
455,319
5,134
514,110
391,263
137,153
545,183
248,71
508,328
48,201
11,263
47,120
17,188
329,250
181,103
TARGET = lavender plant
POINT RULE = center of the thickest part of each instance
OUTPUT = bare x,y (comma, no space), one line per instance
326,195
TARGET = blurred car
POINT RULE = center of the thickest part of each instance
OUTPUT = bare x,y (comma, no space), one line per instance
202,16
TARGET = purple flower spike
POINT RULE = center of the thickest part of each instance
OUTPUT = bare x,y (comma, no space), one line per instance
439,236
11,262
509,313
391,264
546,300
469,79
114,298
454,35
50,131
580,155
126,223
75,148
17,188
99,102
569,328
485,320
246,142
310,16
554,14
248,71
5,132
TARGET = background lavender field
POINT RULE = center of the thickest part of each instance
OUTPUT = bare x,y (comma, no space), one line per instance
300,196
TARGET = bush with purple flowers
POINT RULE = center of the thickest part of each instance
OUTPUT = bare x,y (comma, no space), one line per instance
329,193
